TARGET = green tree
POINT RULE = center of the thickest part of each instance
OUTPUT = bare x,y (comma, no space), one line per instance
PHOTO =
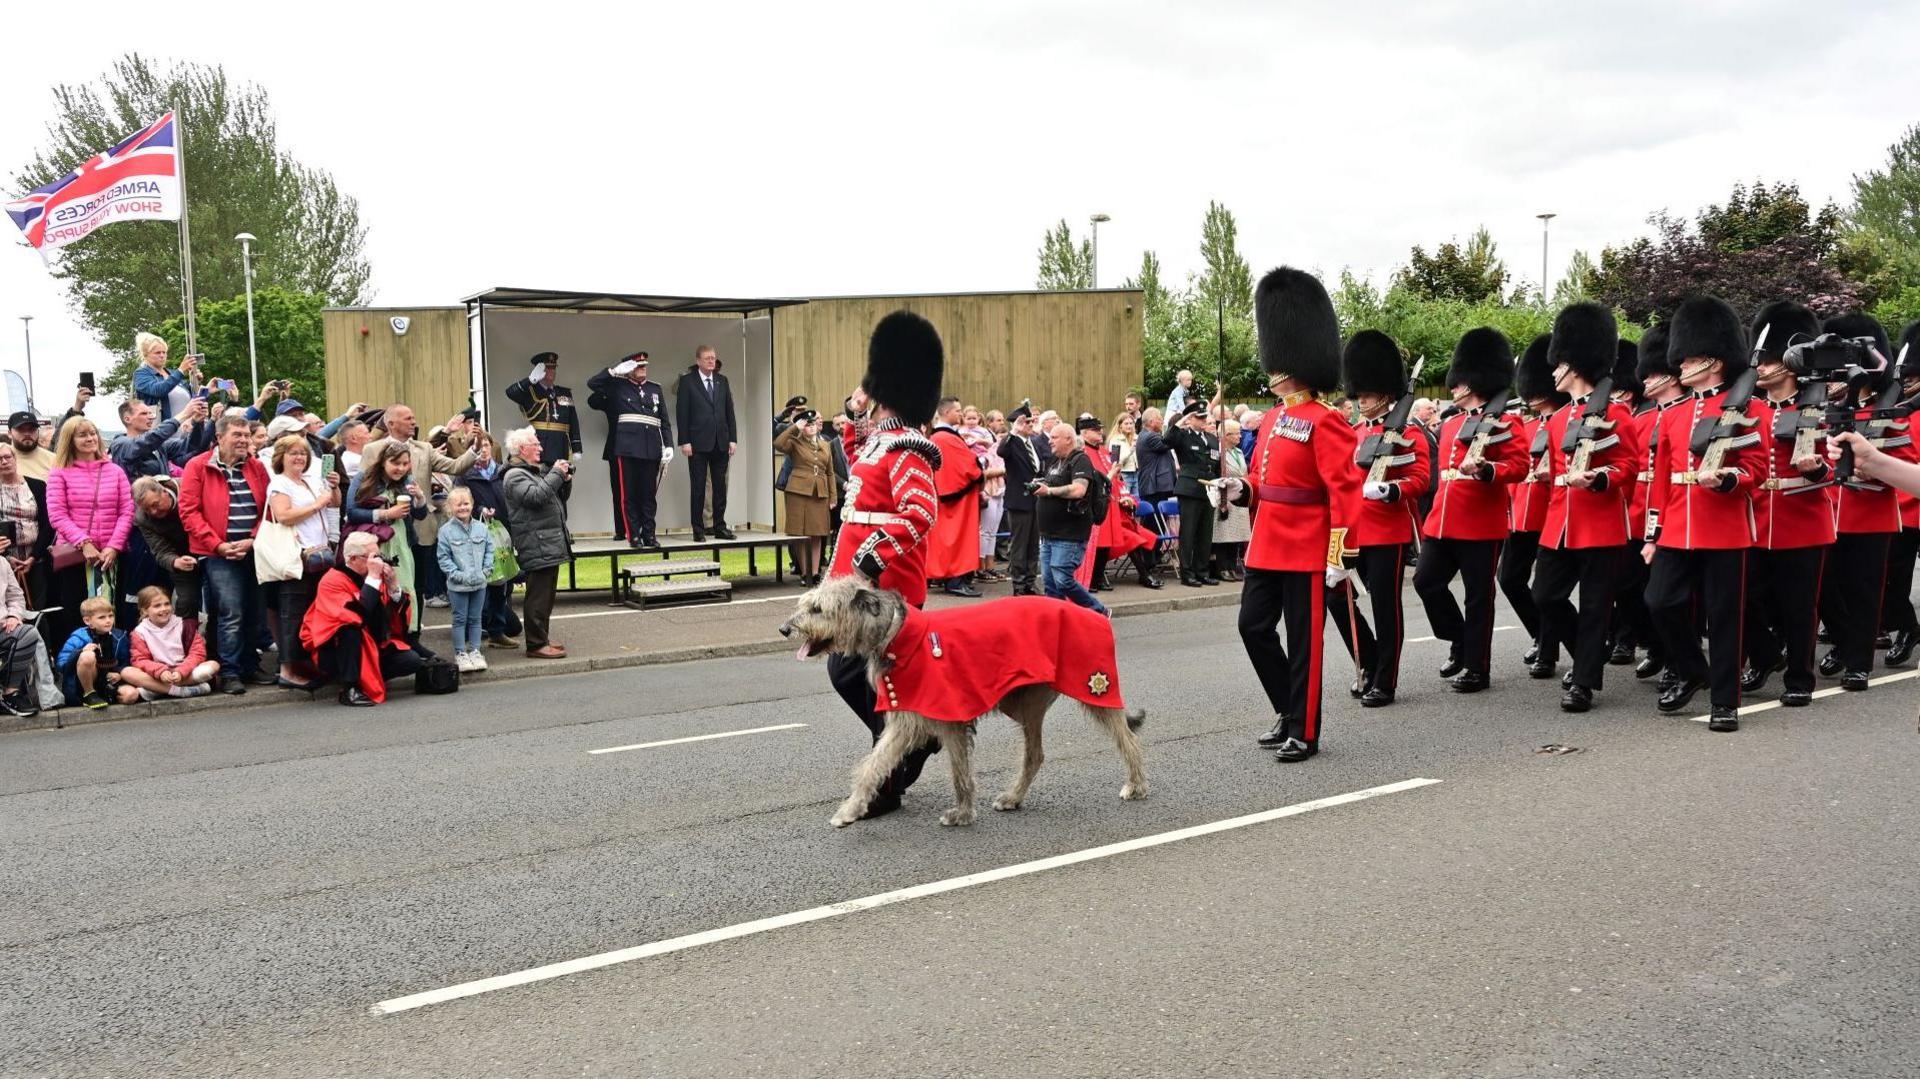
1161,307
126,278
1882,245
287,338
1577,285
1227,280
1063,263
1472,273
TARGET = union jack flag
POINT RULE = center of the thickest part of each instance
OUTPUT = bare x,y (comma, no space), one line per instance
139,179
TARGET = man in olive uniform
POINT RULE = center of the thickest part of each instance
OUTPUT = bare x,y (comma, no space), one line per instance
639,439
1198,453
548,408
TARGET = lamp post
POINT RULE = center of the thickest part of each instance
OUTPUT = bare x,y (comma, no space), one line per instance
26,326
1096,219
246,263
1544,218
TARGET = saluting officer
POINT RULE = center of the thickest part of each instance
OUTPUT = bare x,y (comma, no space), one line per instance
548,409
639,441
1198,452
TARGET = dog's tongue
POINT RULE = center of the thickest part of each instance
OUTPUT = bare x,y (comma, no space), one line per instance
800,653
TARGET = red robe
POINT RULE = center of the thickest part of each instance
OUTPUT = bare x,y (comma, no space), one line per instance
1121,533
954,548
956,663
331,612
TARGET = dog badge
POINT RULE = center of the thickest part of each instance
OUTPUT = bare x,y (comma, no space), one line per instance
935,638
1098,683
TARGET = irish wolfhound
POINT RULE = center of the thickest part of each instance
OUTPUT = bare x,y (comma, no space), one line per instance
938,673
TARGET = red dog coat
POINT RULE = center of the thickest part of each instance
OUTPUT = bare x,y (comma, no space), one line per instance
957,664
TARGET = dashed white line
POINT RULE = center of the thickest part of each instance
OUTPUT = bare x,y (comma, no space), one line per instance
850,906
696,738
1830,691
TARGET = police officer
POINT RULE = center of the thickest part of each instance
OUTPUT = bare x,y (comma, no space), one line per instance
548,409
639,442
1199,455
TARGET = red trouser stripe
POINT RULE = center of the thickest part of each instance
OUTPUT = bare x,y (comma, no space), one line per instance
1316,644
620,504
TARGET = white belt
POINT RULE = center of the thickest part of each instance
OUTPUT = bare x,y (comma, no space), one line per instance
869,517
650,421
1787,483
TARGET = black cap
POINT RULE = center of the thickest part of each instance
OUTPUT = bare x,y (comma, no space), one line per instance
807,417
636,357
1194,408
544,357
22,419
1088,423
1024,412
796,402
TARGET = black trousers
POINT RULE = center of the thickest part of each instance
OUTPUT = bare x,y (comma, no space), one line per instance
1632,622
1851,591
702,464
1593,571
1473,561
1896,601
1715,581
1517,558
849,678
537,607
635,482
1783,596
1380,569
340,659
1290,675
1023,549
1196,536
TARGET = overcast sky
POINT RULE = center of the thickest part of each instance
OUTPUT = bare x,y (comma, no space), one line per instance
818,149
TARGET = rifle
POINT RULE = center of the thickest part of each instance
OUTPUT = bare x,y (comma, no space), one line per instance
1379,452
1887,410
1584,436
1482,429
1715,435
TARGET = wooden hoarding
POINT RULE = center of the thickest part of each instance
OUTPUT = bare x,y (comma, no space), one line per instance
426,367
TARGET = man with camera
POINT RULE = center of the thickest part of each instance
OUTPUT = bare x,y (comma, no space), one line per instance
639,443
1064,516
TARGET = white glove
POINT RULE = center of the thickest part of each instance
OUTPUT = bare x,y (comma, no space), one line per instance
666,454
539,372
1336,575
1376,491
623,368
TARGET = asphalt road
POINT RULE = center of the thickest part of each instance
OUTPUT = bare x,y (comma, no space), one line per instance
230,893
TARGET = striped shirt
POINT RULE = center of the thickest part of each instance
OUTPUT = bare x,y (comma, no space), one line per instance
242,509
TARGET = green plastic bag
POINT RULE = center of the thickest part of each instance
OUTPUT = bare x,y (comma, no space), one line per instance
505,566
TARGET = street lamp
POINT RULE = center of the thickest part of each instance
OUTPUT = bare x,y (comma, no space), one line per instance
246,262
26,325
1544,218
1096,219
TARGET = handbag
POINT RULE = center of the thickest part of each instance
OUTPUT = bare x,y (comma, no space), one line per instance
376,529
506,565
277,554
437,676
66,556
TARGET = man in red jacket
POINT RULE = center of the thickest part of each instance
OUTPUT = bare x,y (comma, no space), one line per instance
1527,506
1793,517
1659,389
1376,380
890,507
223,492
1481,452
1699,519
1590,459
1302,478
953,551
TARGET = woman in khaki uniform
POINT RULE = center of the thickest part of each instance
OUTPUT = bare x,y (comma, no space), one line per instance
811,489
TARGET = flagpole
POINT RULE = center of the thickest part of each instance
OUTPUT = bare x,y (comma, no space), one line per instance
186,233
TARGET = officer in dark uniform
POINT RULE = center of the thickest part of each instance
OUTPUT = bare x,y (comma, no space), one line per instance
639,441
548,407
1198,453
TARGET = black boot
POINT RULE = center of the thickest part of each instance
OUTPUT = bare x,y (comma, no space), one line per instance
1577,698
1453,666
1724,720
1293,750
1143,568
1100,574
1470,682
1901,650
1829,664
1854,681
1676,698
1649,667
1754,677
1275,737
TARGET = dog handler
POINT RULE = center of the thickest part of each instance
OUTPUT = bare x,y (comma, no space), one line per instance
890,507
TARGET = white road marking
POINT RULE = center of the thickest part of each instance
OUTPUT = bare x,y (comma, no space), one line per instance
850,906
1428,640
1831,691
697,738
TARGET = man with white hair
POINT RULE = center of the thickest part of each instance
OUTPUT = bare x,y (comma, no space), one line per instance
356,628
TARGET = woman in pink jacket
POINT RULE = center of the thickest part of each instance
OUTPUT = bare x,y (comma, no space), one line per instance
90,503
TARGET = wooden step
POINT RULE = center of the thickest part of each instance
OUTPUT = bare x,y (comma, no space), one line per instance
688,590
670,567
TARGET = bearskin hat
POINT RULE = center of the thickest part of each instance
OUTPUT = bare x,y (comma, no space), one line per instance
1483,360
1584,337
1653,355
1373,365
1859,324
1626,358
905,363
1299,335
1533,378
1909,340
1786,323
1706,326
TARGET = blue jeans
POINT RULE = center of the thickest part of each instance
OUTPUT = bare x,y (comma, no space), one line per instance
467,610
238,612
1058,561
498,619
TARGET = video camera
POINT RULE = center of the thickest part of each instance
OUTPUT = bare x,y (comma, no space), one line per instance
1833,358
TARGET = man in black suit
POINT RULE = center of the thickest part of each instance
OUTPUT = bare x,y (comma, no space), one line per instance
1023,464
703,407
1198,451
1158,474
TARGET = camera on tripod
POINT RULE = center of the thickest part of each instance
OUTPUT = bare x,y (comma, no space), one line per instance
1833,358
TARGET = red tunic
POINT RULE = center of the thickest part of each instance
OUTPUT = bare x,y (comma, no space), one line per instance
1644,423
889,509
1799,514
1121,533
1386,524
955,664
1472,509
1578,518
954,549
330,613
1684,516
1527,500
1866,506
1304,482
